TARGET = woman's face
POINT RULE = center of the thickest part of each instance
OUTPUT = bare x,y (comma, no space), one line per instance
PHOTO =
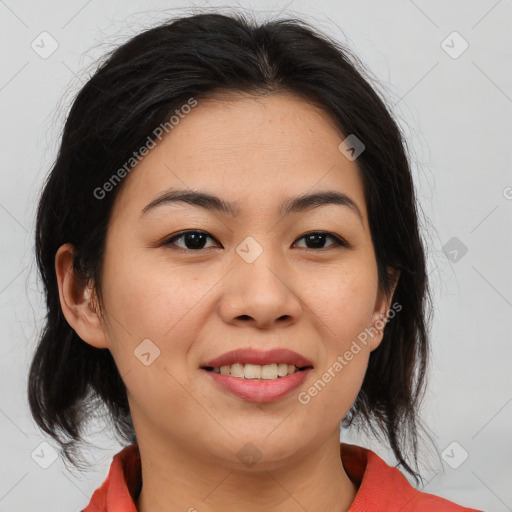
250,279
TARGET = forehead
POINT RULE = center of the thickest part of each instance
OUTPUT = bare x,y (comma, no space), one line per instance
255,151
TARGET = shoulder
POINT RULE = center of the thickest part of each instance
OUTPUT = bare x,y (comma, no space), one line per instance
122,484
385,488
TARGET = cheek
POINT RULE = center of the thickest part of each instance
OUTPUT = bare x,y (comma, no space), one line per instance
330,395
153,300
160,396
153,312
152,303
344,302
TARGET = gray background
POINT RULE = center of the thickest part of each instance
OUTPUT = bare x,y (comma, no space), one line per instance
455,111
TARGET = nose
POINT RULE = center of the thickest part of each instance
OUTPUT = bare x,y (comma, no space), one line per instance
260,294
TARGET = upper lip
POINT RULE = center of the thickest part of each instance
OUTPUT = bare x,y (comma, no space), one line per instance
260,357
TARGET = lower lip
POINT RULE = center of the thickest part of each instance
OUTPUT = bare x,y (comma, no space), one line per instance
253,390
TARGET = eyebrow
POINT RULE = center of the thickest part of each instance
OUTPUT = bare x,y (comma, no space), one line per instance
209,202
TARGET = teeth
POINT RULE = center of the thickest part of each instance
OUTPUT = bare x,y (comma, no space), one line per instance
256,371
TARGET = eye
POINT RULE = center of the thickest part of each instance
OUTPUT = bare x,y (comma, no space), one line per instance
193,240
316,240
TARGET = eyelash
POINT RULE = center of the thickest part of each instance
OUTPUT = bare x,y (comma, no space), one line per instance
338,240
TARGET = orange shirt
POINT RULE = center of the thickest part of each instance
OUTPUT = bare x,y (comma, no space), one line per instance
381,488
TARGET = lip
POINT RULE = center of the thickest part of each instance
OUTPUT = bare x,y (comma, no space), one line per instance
259,390
260,357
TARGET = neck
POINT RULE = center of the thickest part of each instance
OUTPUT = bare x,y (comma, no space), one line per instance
175,480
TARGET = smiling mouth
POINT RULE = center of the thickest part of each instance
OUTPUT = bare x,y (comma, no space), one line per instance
257,372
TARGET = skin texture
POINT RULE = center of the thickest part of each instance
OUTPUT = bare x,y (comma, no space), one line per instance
195,306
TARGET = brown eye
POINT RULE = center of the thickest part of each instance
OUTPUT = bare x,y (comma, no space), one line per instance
317,239
191,240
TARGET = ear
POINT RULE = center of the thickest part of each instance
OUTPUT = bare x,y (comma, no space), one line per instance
381,311
78,300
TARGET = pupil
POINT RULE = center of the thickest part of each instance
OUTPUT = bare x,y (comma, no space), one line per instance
318,240
194,240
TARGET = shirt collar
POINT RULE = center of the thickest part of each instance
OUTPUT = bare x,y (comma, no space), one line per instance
380,487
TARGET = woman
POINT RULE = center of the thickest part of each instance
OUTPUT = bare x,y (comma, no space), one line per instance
230,248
